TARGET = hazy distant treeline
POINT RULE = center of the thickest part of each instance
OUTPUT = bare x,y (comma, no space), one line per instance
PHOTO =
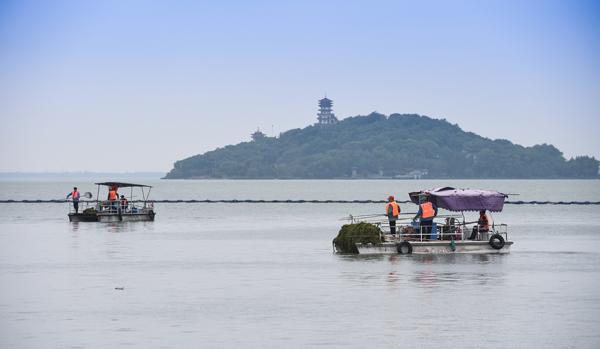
379,146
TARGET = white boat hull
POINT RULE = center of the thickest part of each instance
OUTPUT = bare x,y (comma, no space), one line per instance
435,247
112,217
125,217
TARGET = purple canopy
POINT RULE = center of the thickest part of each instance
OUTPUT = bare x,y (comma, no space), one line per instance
462,199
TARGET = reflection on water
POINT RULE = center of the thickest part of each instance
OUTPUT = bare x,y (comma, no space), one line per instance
445,259
427,271
121,227
432,278
127,227
112,227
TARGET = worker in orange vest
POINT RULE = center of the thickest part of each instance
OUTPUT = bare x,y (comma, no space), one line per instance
113,196
75,197
427,211
392,210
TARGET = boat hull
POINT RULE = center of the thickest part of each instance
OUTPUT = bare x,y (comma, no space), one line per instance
112,217
125,217
435,247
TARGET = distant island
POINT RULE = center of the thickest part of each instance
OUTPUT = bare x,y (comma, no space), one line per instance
379,146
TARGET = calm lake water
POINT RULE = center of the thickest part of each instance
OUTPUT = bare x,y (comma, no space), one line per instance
264,275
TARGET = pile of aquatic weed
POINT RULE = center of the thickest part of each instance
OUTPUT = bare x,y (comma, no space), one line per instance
350,234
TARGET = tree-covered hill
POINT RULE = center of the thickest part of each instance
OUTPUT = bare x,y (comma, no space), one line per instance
379,146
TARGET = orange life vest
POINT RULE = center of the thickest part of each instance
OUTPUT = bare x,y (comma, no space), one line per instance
75,195
427,210
395,208
112,195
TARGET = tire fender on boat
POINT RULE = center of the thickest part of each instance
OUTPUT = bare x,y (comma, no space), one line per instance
497,241
404,247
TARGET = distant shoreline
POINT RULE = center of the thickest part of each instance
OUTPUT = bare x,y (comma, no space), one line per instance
96,176
377,179
83,175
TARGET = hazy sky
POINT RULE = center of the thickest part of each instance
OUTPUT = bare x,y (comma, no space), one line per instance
135,85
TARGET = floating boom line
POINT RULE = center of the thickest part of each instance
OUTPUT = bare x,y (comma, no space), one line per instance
295,201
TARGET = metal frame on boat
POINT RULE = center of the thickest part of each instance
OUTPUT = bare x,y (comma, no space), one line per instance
451,235
113,210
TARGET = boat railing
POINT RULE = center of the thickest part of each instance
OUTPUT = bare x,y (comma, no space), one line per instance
130,207
458,231
113,207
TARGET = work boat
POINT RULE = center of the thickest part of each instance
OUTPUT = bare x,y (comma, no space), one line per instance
449,233
128,210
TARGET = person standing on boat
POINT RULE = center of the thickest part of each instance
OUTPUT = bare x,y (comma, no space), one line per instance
483,225
123,203
75,197
113,197
392,211
426,214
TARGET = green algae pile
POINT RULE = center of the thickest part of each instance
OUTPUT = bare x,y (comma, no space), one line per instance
350,234
89,210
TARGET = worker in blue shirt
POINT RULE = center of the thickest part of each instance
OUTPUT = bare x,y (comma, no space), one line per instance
426,214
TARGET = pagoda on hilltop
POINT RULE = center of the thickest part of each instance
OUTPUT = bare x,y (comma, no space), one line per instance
325,116
257,135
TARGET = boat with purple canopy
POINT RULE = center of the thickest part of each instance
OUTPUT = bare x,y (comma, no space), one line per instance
450,232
